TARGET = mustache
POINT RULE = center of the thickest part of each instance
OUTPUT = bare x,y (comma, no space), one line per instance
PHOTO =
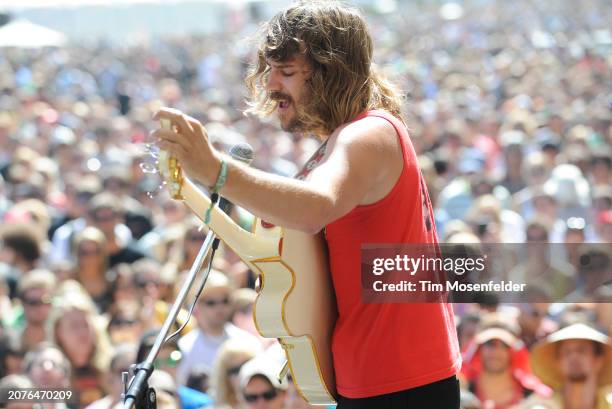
279,96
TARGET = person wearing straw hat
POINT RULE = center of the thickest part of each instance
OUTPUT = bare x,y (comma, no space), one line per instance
576,362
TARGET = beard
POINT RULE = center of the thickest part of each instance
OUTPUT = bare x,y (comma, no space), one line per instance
294,119
294,124
495,369
577,377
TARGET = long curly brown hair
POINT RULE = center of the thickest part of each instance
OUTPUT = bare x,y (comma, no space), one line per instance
335,41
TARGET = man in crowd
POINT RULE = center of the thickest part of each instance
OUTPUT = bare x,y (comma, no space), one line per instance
213,314
576,362
501,381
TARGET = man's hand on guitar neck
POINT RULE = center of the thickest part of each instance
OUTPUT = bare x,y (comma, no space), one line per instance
362,163
188,142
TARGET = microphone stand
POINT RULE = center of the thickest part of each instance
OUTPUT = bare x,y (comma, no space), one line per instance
139,395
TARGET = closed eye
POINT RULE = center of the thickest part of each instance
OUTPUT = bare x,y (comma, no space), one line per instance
287,74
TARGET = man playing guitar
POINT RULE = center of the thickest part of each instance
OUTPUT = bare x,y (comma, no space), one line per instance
314,69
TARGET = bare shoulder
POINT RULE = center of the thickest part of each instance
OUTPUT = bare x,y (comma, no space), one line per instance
371,130
373,147
370,138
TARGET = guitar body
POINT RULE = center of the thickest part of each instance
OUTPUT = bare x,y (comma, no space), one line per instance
297,305
296,302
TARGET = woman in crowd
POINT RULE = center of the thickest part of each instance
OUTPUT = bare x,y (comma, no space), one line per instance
78,330
92,266
224,384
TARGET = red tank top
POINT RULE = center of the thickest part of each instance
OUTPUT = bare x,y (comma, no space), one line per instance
388,347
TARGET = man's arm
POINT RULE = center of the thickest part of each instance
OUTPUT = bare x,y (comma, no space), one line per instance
362,164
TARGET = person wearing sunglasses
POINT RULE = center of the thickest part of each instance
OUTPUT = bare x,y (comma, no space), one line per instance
35,290
212,313
124,324
259,384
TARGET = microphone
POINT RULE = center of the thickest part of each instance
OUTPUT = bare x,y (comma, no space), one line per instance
242,152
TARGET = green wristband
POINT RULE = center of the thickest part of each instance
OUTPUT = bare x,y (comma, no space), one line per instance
221,178
218,185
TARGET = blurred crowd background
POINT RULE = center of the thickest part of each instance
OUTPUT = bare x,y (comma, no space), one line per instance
508,106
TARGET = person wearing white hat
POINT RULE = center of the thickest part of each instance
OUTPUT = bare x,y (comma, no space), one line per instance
260,385
497,377
576,362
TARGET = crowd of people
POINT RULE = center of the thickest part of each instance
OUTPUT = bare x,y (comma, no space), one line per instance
508,108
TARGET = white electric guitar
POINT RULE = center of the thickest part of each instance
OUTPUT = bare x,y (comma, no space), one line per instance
296,303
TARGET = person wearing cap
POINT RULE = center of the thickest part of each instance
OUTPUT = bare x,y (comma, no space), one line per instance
576,362
496,370
259,384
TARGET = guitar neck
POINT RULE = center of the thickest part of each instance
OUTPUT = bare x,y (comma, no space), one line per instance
244,243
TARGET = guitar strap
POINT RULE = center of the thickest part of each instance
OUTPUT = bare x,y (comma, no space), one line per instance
312,163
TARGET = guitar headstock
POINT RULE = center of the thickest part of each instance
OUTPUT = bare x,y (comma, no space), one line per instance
170,168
